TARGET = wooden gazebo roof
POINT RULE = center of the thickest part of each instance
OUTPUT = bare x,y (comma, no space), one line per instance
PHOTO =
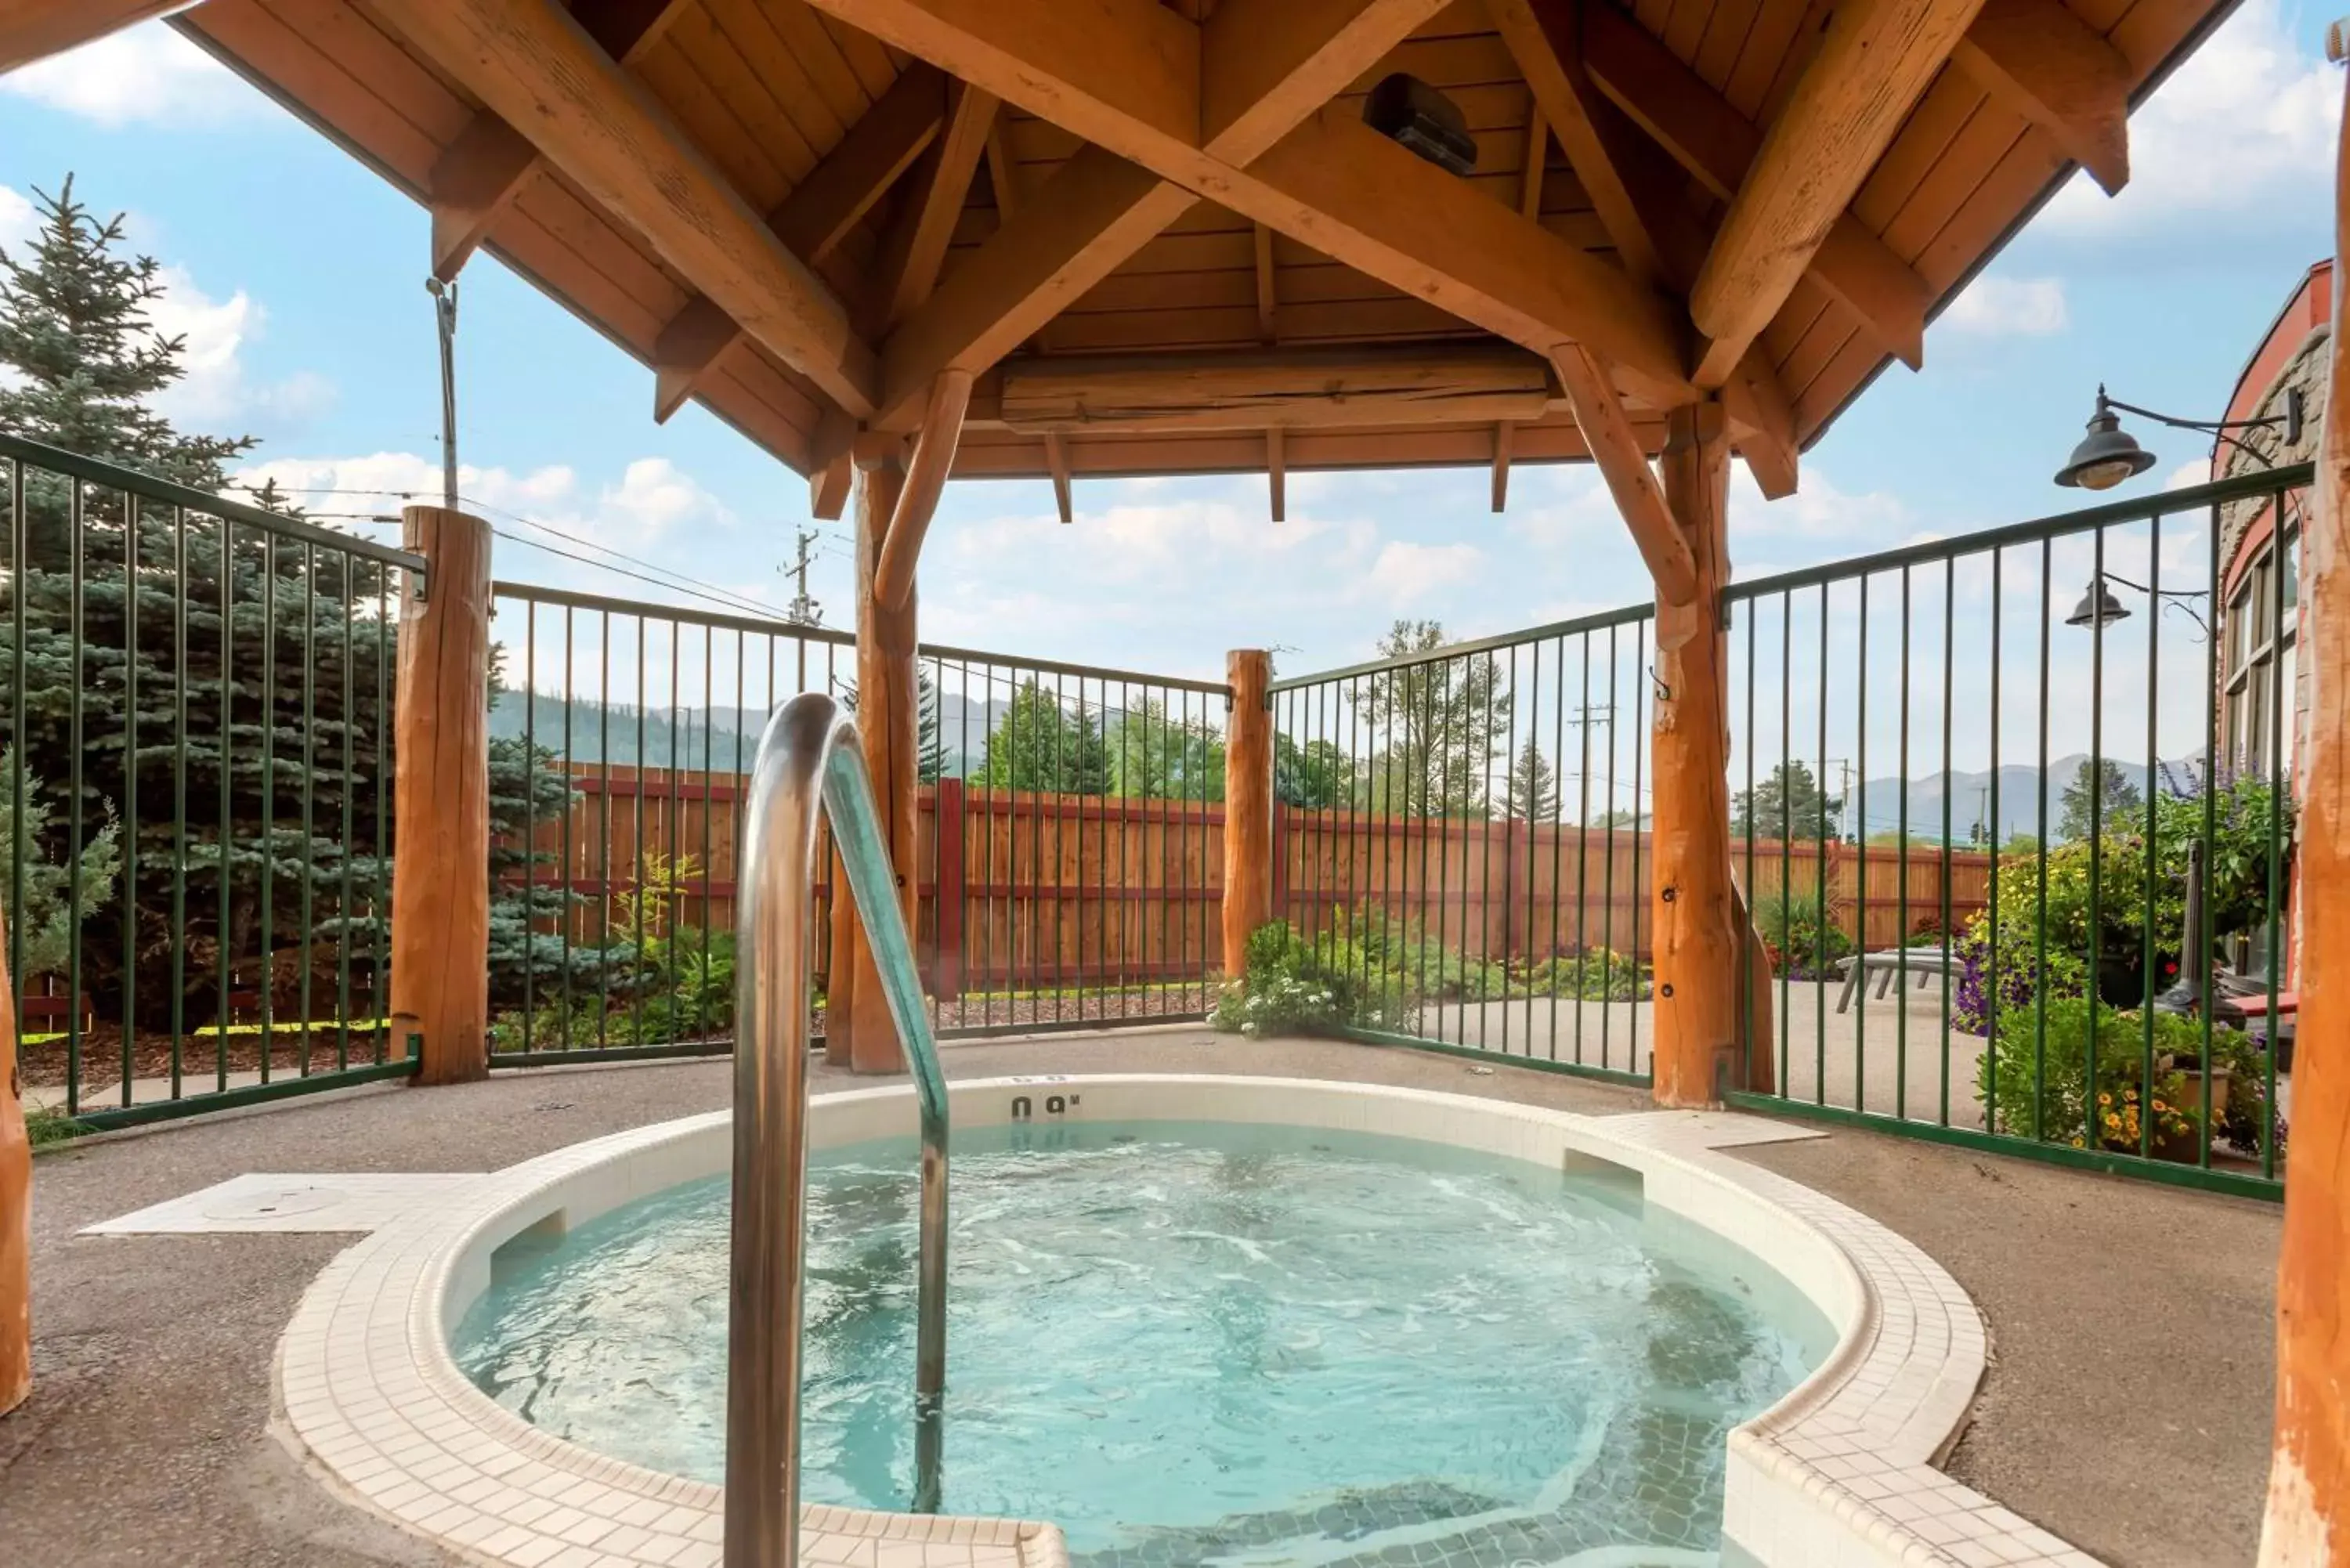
1161,234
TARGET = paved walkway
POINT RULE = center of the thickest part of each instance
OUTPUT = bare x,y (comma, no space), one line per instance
2127,1409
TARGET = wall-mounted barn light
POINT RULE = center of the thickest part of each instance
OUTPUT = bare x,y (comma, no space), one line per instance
1405,110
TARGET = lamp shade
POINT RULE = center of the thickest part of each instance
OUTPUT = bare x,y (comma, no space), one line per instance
2098,607
2107,455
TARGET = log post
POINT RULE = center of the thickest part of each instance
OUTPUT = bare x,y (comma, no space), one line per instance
1697,941
2308,1512
440,800
861,1034
1248,804
15,1209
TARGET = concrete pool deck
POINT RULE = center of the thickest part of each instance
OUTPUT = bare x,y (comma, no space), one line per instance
2126,1410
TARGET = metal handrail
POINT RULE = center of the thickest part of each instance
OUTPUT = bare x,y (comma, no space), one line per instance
809,754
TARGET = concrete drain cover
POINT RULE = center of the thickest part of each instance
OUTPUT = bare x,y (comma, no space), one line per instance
284,1201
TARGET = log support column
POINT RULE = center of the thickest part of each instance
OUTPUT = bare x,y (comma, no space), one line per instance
1248,804
2308,1514
440,800
858,1031
16,1211
1697,938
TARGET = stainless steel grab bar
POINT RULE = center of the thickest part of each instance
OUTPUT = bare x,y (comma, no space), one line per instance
809,756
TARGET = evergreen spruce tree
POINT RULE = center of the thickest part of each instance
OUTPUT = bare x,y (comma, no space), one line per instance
213,696
1041,745
1532,792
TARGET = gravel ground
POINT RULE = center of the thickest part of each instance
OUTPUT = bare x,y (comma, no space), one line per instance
2127,1408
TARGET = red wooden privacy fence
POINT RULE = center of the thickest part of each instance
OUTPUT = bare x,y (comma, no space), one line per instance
1021,890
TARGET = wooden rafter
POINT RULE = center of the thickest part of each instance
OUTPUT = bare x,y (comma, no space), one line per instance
918,240
486,167
2054,70
1099,209
1717,144
1276,471
811,222
530,62
1504,438
1616,451
1253,390
1875,62
1333,183
1629,180
1542,38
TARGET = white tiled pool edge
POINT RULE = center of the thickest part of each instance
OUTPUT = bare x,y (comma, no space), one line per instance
1839,1474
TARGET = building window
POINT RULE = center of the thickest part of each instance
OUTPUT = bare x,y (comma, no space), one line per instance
2261,632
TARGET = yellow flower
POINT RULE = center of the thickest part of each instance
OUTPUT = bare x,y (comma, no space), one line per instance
2160,1106
2077,1143
2104,1099
2112,1120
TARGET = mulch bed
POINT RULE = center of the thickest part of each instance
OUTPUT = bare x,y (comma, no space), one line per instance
45,1063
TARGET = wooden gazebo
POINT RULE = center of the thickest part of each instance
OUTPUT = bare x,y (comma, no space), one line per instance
895,240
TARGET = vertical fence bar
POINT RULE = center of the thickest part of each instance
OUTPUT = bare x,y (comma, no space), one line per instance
130,838
74,522
180,682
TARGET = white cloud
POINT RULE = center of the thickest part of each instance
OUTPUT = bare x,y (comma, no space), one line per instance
17,220
143,74
1408,575
1818,510
2247,124
216,390
2008,307
651,498
2197,471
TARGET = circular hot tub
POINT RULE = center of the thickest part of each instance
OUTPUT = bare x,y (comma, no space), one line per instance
1190,1319
1182,1340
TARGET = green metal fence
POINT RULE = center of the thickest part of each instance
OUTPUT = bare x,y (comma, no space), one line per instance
1068,834
2101,706
195,792
2012,814
1462,838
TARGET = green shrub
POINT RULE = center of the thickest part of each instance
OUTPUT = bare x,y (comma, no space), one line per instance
1802,931
682,990
2125,1103
1299,985
2041,1091
1596,974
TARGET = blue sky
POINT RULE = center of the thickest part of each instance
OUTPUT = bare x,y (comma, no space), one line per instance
297,276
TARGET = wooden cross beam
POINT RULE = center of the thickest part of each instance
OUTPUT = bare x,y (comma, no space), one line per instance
531,62
1258,65
1322,388
1157,96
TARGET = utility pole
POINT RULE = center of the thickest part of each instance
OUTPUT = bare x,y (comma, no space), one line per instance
803,610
